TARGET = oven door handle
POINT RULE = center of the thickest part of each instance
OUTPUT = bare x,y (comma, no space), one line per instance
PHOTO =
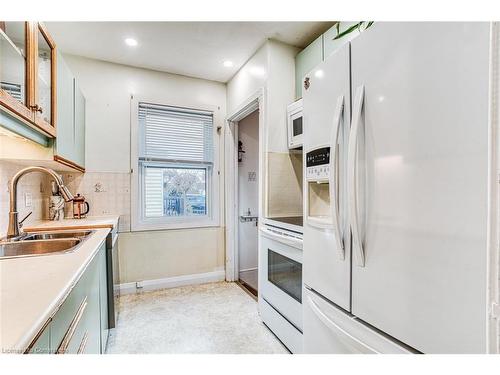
277,237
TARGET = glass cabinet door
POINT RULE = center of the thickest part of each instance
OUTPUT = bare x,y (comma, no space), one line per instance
13,67
44,80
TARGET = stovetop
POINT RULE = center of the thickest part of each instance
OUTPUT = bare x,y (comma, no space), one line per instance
293,220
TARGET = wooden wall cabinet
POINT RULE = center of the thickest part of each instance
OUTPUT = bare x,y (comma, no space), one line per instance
37,91
28,74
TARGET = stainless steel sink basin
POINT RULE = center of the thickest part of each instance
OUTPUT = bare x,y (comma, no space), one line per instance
37,247
52,235
43,243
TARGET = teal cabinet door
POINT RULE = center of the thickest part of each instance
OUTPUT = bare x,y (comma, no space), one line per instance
103,293
76,327
93,322
64,144
79,139
305,61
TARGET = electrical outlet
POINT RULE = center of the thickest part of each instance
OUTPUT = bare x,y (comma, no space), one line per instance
28,199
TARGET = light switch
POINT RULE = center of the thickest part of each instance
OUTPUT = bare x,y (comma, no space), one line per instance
28,199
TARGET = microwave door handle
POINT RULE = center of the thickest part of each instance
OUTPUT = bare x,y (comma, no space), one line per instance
351,176
334,168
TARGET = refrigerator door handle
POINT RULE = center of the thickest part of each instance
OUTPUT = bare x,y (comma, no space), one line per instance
351,176
334,183
341,333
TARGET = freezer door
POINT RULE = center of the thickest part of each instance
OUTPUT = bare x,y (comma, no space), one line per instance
420,183
327,267
329,330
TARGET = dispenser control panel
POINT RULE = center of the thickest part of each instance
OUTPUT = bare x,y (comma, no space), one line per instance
318,164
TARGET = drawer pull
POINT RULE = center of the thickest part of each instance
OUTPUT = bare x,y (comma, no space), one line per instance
83,344
72,328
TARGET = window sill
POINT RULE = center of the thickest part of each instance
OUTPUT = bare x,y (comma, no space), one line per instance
144,227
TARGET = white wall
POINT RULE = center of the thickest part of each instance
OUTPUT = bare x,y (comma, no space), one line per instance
280,93
108,88
248,80
272,68
248,133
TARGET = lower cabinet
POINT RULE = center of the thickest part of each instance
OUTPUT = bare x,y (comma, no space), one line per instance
77,327
103,299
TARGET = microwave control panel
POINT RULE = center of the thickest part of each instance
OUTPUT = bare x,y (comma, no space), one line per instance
318,164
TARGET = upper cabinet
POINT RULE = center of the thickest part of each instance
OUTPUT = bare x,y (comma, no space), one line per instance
37,91
305,61
338,35
44,82
14,68
322,47
27,74
69,146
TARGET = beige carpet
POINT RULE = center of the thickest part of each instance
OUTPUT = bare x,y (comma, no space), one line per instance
209,318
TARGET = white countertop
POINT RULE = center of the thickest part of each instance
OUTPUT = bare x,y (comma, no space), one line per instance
33,288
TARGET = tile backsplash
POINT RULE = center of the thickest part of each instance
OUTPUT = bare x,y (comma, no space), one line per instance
35,184
107,194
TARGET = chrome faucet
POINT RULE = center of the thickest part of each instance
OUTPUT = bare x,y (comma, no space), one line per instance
13,230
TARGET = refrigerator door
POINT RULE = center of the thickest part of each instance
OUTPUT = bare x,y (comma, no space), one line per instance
329,330
327,266
420,186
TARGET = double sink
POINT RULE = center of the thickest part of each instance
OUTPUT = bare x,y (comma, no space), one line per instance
43,243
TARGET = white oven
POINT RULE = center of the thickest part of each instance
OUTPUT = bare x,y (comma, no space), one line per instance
280,290
295,124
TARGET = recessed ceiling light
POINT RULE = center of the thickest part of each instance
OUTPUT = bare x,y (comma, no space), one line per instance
228,63
131,42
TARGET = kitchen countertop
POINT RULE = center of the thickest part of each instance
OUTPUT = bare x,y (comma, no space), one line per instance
33,288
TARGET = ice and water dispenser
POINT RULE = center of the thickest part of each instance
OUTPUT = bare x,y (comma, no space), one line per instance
318,195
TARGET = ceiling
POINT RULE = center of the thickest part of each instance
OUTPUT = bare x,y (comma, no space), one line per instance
196,49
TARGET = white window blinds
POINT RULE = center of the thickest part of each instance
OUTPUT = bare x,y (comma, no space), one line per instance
13,89
175,134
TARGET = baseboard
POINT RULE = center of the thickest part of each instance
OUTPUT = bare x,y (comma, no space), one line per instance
172,282
248,269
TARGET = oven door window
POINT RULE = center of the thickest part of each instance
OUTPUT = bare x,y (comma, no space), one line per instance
285,273
297,126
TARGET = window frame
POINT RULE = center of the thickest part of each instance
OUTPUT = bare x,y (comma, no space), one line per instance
138,220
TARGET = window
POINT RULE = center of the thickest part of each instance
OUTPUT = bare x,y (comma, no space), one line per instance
176,163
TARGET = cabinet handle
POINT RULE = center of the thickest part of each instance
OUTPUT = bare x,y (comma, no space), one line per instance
83,344
37,108
72,328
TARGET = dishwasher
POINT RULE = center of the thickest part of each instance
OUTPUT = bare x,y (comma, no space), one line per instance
113,276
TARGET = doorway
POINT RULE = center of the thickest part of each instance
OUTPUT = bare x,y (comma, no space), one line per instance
248,201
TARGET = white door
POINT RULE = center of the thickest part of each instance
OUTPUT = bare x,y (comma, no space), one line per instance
325,270
421,183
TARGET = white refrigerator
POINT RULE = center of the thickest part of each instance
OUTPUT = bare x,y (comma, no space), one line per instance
395,229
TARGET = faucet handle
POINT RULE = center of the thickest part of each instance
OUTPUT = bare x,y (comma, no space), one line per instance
24,218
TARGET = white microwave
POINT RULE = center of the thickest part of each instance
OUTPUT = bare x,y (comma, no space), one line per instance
295,124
